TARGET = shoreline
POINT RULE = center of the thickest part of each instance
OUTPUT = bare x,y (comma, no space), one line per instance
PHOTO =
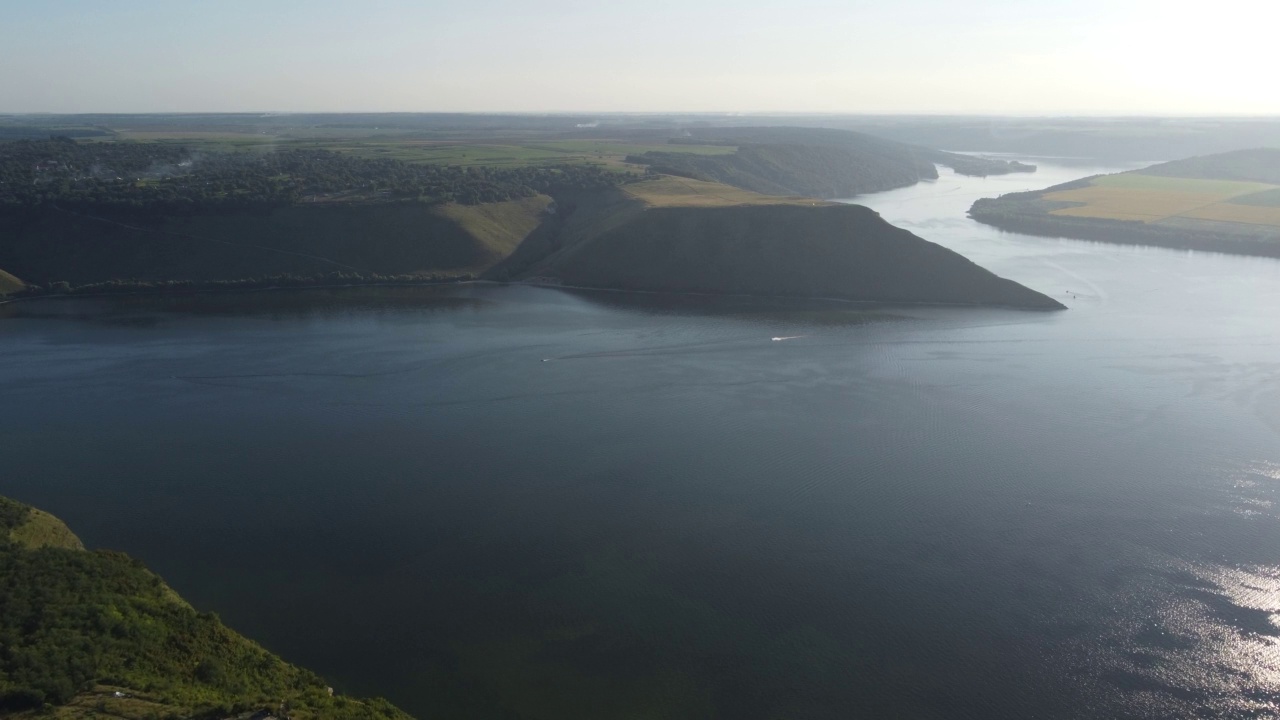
173,292
814,298
1111,235
230,287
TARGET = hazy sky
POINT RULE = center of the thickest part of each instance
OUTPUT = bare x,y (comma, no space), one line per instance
901,56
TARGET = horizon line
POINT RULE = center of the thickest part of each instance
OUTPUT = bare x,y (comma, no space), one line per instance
660,113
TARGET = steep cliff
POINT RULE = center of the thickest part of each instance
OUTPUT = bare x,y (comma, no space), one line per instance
402,238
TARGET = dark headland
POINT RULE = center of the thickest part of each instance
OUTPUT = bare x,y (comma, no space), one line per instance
677,235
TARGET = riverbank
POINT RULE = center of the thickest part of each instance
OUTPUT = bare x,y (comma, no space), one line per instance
187,287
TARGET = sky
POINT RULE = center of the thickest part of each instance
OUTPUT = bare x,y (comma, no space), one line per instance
1019,57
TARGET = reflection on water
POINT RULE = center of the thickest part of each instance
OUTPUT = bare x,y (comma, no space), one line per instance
486,501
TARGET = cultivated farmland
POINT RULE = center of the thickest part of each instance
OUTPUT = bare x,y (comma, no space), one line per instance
1153,198
1223,203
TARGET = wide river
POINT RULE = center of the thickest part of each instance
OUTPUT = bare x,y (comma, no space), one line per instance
501,502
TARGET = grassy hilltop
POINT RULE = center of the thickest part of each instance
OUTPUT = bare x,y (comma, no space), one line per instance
93,634
1225,203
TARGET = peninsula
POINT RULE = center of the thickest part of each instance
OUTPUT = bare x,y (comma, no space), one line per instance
728,210
672,234
1228,203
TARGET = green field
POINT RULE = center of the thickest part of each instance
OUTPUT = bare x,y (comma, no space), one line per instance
508,155
473,152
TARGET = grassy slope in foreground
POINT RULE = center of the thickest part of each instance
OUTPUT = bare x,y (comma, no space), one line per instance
1225,203
679,235
78,627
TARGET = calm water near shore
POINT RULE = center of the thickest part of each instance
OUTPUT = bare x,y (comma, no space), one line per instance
496,502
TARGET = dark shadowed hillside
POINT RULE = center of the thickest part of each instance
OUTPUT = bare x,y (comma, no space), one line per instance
366,238
85,213
683,236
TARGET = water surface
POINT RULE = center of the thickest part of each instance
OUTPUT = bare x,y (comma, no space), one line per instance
498,502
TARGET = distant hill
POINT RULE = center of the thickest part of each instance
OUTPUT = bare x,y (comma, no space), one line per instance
1260,165
1228,203
1101,138
95,634
814,162
677,235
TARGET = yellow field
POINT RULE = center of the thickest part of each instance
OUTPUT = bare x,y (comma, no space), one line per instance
1125,204
438,151
1227,212
1149,199
669,191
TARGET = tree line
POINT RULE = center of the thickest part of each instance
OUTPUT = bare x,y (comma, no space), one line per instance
154,177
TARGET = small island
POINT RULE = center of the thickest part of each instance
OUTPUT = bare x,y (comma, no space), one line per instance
1228,203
